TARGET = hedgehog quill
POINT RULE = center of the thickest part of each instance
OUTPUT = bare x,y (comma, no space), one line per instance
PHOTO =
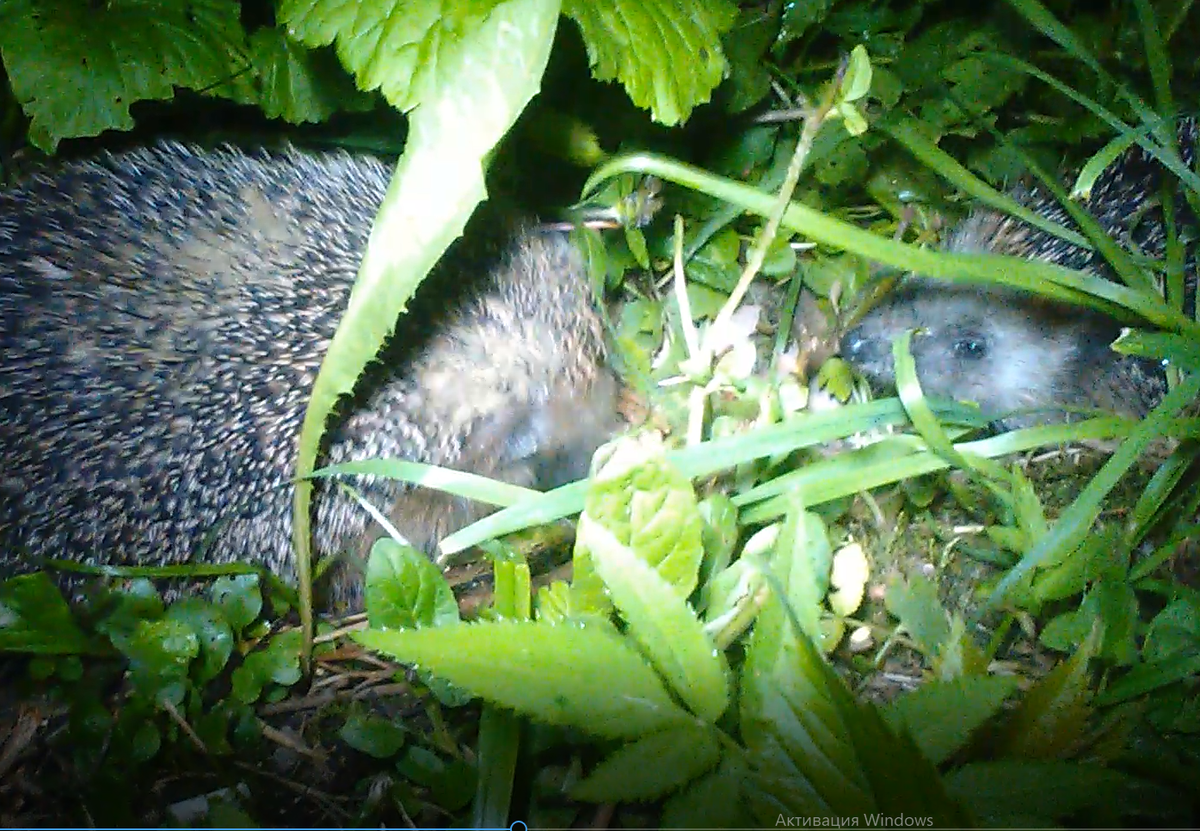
1010,352
164,315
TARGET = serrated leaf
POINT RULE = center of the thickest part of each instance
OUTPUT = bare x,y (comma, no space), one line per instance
798,17
817,750
684,66
588,678
1066,631
300,85
712,801
1071,572
1181,350
662,624
1030,515
401,48
836,378
77,66
960,655
790,724
915,603
1117,607
802,559
795,733
649,506
562,602
553,602
1147,677
940,716
1054,715
746,48
996,790
775,785
652,766
405,590
1072,524
1175,631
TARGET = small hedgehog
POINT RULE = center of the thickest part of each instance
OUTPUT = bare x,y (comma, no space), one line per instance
1008,351
163,314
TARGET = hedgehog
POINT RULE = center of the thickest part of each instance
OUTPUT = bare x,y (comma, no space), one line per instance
1025,360
163,315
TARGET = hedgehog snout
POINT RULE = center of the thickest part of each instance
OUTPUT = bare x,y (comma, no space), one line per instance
870,354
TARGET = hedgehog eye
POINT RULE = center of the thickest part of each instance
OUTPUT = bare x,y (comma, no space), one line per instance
970,347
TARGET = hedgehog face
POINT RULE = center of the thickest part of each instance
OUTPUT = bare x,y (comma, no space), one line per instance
995,348
545,444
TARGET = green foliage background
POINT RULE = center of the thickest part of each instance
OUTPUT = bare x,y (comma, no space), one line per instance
685,658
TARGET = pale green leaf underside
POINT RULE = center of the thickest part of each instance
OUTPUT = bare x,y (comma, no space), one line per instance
666,53
396,46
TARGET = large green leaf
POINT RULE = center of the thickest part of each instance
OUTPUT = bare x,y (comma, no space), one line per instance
77,66
649,506
406,50
666,53
473,86
588,678
662,623
652,766
817,751
942,715
404,589
299,84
